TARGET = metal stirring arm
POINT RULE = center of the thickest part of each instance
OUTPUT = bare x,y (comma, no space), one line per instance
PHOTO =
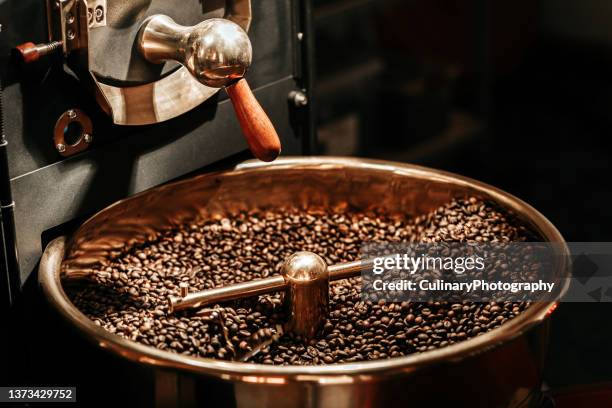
277,283
305,280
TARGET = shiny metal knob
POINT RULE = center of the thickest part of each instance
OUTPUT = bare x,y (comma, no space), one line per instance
218,54
217,51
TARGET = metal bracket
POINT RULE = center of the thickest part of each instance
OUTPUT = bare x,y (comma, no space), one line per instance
67,21
72,117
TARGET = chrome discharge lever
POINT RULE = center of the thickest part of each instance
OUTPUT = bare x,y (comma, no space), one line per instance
218,53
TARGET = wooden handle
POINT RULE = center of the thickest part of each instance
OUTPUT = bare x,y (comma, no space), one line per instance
256,126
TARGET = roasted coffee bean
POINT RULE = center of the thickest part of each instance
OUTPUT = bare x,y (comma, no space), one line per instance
128,295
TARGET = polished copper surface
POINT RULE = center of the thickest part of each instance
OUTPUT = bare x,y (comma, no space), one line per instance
505,362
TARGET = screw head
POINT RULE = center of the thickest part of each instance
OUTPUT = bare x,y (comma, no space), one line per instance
71,114
60,147
87,138
99,14
299,98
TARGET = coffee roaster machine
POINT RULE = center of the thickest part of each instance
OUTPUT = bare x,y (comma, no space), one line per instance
103,99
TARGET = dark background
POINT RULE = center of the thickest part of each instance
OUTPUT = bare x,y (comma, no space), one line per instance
517,94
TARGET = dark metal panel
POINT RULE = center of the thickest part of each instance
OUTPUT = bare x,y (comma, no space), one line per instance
304,40
76,187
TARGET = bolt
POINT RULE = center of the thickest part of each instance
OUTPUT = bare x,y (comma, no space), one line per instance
60,147
87,138
70,18
71,114
99,13
71,34
298,98
45,49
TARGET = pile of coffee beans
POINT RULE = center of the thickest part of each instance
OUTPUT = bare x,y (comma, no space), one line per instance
128,296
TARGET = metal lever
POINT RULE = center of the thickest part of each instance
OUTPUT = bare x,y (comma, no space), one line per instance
218,53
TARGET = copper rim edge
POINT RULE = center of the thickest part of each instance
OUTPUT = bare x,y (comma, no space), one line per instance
49,277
